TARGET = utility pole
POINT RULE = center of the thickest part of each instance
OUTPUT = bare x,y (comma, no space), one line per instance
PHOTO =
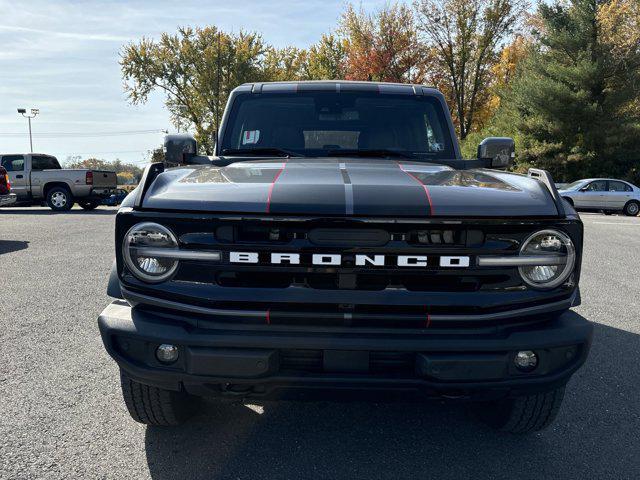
34,112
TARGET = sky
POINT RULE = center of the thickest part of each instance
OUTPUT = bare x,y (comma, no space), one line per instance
62,58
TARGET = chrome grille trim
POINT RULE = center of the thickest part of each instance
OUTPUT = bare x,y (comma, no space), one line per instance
521,261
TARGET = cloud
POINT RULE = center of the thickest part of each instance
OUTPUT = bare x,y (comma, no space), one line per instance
76,36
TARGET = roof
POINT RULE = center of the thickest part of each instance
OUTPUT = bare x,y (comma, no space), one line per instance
27,153
601,178
337,85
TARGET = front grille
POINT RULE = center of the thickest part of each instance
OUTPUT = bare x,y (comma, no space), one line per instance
349,295
305,240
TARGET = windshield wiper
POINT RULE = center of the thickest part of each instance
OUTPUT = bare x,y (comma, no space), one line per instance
262,151
359,152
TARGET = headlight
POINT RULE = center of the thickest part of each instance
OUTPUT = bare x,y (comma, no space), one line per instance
145,249
556,255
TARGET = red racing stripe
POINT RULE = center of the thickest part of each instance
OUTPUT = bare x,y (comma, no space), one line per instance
269,317
426,190
275,179
428,323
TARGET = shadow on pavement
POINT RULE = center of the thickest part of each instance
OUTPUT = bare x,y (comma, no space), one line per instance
8,246
47,211
595,435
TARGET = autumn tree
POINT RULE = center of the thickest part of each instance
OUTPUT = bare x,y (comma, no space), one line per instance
502,73
382,46
124,171
196,69
284,64
496,117
326,59
464,39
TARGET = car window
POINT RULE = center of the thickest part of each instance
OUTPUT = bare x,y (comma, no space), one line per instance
619,187
597,186
573,185
13,163
40,162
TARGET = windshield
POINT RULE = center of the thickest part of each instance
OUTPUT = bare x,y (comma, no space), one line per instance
573,185
326,123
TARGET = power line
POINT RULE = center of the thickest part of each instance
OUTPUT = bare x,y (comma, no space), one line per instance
84,134
100,153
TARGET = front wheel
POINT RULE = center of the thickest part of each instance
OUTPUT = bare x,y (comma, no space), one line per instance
59,199
155,406
523,414
89,205
632,208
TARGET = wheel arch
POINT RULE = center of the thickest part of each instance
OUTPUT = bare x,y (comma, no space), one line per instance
633,200
49,185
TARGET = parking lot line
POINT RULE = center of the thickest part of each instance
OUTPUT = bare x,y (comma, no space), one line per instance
625,224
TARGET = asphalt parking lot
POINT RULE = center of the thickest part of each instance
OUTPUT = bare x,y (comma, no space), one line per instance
61,413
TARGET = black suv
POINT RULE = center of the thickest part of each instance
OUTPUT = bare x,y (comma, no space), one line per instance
337,243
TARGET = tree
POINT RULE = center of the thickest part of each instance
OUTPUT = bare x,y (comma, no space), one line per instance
576,98
284,64
196,69
126,178
156,155
126,172
325,60
464,40
382,46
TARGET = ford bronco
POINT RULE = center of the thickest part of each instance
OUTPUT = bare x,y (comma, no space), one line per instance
338,244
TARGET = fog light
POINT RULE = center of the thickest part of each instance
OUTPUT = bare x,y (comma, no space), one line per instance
167,353
526,360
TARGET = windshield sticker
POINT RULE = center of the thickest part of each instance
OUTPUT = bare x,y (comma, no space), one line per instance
250,137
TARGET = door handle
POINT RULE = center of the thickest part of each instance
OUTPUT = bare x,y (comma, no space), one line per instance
19,176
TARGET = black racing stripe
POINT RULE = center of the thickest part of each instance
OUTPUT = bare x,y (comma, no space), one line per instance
316,188
381,188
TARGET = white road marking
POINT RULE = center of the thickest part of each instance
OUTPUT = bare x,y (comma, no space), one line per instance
617,223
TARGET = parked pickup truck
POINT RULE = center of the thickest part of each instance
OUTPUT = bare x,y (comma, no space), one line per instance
37,178
338,243
6,197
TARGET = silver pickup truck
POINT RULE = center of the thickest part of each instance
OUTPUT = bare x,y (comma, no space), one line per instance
37,178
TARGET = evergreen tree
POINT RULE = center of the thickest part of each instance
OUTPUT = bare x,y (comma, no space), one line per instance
576,98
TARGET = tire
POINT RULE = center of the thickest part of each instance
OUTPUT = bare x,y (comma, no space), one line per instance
526,414
632,208
89,205
155,406
59,199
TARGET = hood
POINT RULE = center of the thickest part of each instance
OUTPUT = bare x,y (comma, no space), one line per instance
345,186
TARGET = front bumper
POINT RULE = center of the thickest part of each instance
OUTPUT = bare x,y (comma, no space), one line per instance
7,200
269,363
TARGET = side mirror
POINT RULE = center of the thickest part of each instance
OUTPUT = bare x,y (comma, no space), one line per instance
180,149
497,152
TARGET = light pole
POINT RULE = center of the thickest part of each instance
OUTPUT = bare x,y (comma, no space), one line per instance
34,112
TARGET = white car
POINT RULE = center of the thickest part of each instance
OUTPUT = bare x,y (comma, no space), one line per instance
607,194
